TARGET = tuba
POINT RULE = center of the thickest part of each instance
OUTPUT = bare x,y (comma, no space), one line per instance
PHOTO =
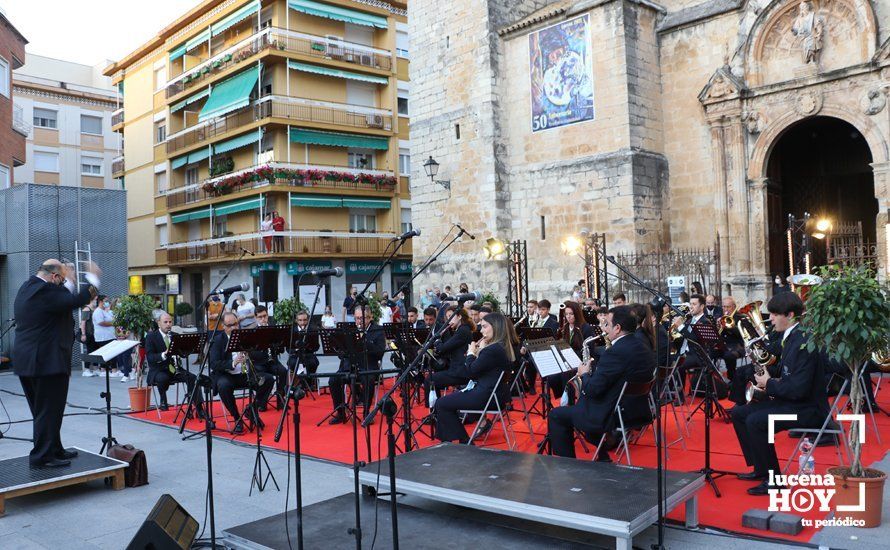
803,283
760,356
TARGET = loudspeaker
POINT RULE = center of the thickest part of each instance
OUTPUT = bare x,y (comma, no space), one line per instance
167,527
268,286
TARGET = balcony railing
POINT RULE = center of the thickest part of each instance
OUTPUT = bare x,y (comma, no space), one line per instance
117,166
117,117
198,192
18,121
281,40
290,243
296,109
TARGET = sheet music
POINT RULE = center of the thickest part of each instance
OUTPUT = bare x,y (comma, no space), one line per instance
112,349
546,363
571,358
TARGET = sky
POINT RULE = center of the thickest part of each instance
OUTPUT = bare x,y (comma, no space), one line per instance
91,31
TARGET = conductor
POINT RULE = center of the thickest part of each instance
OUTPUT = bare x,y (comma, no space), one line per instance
41,357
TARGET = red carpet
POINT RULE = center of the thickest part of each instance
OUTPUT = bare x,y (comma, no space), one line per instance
335,443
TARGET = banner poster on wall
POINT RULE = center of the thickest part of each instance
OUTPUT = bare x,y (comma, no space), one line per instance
561,74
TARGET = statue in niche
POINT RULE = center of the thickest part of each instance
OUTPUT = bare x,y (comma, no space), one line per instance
809,28
719,87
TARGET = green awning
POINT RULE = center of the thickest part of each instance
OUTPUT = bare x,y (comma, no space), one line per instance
235,18
198,40
177,52
337,13
198,214
307,68
230,94
236,142
200,95
362,202
332,139
199,155
179,162
238,206
313,201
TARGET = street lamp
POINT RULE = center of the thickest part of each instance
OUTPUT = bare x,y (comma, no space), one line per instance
431,167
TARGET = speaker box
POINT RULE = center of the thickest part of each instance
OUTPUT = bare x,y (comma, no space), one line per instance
268,286
167,527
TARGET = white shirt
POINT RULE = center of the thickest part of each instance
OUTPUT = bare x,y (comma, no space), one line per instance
385,314
615,341
247,308
100,333
266,226
329,321
788,332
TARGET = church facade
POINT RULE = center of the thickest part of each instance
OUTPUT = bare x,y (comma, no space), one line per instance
664,125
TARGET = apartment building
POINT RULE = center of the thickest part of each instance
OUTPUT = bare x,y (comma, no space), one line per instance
13,127
287,109
68,108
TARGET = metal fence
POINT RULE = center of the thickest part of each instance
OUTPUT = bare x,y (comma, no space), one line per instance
700,265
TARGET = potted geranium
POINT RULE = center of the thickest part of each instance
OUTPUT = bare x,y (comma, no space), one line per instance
848,317
134,314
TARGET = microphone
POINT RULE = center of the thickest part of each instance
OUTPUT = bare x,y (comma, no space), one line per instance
335,272
475,296
408,235
247,252
472,237
237,288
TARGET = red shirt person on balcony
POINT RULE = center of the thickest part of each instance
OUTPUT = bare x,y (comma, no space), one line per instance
277,226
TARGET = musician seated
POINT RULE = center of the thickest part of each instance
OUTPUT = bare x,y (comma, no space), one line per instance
734,349
162,367
698,316
413,321
375,344
485,361
574,331
542,319
266,361
714,310
307,360
626,360
798,390
452,350
429,317
230,371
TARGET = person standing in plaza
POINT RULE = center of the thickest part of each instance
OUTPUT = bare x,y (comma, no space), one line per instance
103,325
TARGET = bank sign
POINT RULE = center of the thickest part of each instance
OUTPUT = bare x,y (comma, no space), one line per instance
298,268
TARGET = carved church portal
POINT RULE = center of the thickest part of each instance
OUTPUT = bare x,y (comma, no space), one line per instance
822,166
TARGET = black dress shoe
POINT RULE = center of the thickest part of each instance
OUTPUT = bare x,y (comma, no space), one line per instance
239,428
52,463
164,406
338,419
263,408
762,489
603,457
751,476
67,454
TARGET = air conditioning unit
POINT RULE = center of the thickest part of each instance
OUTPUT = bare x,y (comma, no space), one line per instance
367,60
375,121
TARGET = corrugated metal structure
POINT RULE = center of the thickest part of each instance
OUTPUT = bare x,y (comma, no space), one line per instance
38,222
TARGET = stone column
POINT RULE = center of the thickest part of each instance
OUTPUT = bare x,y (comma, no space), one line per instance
721,211
738,215
758,251
882,193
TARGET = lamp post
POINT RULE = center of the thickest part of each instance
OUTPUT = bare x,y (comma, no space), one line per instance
517,274
431,167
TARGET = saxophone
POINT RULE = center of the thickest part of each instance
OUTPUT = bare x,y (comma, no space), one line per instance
575,381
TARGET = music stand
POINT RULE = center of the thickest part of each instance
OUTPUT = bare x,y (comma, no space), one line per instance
707,337
346,344
390,330
305,342
184,344
102,357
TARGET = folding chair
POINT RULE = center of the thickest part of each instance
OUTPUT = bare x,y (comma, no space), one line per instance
498,416
838,434
631,389
515,384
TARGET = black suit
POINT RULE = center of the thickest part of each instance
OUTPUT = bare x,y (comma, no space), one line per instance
418,324
454,351
485,370
799,390
375,342
41,357
628,360
162,372
305,358
225,382
267,363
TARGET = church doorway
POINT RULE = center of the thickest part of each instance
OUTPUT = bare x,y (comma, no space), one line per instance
821,166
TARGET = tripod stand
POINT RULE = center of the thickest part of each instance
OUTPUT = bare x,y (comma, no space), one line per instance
103,357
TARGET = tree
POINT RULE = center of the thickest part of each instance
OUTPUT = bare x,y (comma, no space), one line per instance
181,310
134,314
286,310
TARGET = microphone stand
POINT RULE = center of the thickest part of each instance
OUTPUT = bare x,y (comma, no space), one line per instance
660,473
208,403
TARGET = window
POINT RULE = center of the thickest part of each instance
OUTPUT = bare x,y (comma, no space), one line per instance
90,125
361,160
45,118
160,77
403,106
406,220
163,235
160,132
402,44
220,227
404,162
161,182
4,177
4,77
191,175
46,162
90,166
362,221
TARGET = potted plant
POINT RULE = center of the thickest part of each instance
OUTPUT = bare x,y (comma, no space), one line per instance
181,310
848,317
489,296
134,314
285,311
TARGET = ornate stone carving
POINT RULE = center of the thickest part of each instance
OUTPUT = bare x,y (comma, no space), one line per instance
873,102
808,103
808,28
754,122
722,85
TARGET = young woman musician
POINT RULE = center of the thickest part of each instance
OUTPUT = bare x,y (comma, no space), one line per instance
573,329
452,350
486,360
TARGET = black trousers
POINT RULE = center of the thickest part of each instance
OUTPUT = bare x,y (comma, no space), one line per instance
276,370
448,424
163,379
226,383
557,382
364,388
46,397
730,356
751,423
561,425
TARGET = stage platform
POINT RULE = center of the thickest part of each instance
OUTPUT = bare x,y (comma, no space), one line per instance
608,499
17,478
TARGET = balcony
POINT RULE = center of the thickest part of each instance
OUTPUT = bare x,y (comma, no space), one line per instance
117,118
284,41
288,108
296,244
296,176
117,167
18,121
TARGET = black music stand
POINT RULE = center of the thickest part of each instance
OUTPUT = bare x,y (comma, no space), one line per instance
103,357
534,334
182,345
308,344
345,344
705,334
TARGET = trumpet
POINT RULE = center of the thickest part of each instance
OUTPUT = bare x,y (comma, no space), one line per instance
727,322
520,321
